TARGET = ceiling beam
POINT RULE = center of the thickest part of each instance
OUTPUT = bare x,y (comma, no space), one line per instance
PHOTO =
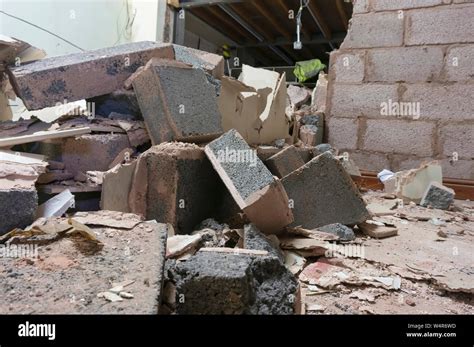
320,22
252,31
342,13
264,13
200,3
314,40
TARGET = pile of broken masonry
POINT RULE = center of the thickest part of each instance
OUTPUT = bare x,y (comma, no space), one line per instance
150,182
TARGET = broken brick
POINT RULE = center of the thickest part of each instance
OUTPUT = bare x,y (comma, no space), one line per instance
92,152
226,283
250,183
177,102
322,193
181,185
17,208
438,196
285,162
77,76
209,62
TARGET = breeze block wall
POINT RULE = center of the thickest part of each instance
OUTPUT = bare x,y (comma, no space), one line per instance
401,87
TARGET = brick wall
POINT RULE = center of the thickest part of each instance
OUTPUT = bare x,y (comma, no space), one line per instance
401,88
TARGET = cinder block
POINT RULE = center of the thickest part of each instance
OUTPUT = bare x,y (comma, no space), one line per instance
458,138
451,24
389,5
251,184
360,6
254,239
462,169
348,66
17,208
375,30
322,193
458,64
445,102
77,76
211,63
309,135
285,162
92,152
226,283
182,188
409,64
342,132
370,161
399,136
177,102
438,196
361,100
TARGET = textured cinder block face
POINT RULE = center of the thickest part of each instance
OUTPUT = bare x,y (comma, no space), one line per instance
183,189
82,75
343,133
375,30
352,100
388,5
240,163
399,136
17,208
452,24
408,64
86,274
254,239
211,63
438,196
177,103
323,193
220,283
92,152
285,162
348,67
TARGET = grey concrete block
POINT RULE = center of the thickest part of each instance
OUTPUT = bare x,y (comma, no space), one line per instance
177,103
227,283
77,76
285,162
343,232
182,189
322,193
438,196
246,171
211,63
375,30
254,239
251,184
92,152
17,208
449,24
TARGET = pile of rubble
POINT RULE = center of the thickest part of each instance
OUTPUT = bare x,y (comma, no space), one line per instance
159,184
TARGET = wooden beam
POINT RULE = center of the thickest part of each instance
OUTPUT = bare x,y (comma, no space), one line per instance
319,20
213,21
277,26
342,13
229,22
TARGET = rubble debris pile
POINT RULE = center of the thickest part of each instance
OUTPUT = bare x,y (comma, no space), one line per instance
163,186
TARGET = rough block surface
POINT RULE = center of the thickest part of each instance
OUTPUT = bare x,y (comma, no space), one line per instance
323,193
220,283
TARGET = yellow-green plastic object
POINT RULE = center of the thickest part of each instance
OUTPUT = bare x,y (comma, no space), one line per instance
304,70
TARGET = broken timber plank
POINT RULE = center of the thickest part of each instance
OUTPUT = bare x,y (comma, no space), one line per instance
42,135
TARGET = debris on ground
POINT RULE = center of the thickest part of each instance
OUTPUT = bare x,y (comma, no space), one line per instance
166,187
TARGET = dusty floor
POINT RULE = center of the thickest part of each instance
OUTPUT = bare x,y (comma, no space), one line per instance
432,255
